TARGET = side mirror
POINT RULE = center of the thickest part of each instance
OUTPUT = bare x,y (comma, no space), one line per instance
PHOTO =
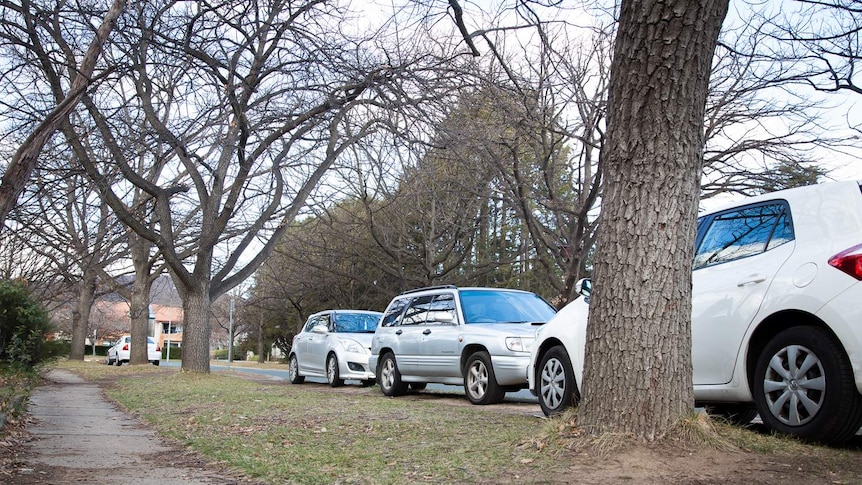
584,287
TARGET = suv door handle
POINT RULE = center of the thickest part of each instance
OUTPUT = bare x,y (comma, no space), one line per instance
427,331
752,280
398,332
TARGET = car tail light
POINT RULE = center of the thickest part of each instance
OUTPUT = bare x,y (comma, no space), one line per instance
158,348
849,261
125,347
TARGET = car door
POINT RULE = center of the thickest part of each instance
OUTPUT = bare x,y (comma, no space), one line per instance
439,343
315,345
738,254
407,337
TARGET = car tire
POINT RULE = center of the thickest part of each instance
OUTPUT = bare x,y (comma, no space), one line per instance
368,382
155,363
739,414
804,386
418,386
332,372
118,362
555,382
480,385
389,377
293,371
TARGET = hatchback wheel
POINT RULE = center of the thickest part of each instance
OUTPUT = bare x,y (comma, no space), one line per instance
332,371
293,371
556,382
804,386
389,377
480,385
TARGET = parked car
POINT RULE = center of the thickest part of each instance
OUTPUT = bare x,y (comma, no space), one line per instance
478,338
334,344
776,316
119,352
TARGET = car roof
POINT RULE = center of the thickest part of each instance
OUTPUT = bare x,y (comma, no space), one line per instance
795,193
324,312
436,289
827,216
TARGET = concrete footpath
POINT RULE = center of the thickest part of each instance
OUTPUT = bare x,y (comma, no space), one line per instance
80,437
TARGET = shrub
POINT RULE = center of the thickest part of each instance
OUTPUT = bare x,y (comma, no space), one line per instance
176,353
23,325
221,354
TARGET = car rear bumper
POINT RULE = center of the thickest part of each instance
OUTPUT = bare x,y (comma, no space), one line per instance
843,314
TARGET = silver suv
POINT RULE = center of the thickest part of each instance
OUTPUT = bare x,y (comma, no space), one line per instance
476,337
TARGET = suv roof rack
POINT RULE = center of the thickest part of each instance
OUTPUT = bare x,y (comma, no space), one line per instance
438,287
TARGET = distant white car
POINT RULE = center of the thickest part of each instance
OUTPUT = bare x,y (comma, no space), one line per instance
776,316
119,352
334,344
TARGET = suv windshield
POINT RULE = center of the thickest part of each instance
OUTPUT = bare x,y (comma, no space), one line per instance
498,306
355,322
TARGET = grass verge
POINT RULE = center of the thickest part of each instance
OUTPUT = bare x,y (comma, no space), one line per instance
282,433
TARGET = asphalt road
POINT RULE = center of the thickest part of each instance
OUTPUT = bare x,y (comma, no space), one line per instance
522,396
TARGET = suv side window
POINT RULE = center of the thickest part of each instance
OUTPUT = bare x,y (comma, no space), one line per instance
744,232
441,310
391,317
418,311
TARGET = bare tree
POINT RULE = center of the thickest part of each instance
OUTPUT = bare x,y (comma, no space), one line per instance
23,23
819,43
62,220
270,96
81,237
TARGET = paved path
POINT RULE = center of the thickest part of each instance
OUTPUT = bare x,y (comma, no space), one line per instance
79,437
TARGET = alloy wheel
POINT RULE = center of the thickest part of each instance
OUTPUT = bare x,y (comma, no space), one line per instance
477,379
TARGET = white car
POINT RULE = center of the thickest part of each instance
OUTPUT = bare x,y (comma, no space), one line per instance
334,344
119,352
776,316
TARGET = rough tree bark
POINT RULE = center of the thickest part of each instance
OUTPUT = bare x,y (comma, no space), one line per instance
638,363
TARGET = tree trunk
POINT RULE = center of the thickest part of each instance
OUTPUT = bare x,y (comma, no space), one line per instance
139,314
638,363
197,329
139,302
81,315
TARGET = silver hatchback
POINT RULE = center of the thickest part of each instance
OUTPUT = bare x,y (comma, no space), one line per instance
476,337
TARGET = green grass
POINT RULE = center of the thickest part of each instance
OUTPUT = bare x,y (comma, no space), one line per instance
310,434
305,434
